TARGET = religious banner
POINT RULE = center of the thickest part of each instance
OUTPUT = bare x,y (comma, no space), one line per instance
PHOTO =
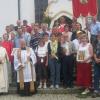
84,8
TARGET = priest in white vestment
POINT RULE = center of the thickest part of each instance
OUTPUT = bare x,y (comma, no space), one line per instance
24,61
4,85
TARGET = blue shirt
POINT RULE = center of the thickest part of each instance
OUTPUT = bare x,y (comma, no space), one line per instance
17,41
95,28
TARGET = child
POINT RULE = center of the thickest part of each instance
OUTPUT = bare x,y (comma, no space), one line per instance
67,61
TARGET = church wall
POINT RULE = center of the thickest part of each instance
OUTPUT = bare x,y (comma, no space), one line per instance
27,10
9,12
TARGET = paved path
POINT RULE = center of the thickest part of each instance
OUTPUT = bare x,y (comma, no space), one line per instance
45,97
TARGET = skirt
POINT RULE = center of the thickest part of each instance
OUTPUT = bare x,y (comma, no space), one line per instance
84,75
41,68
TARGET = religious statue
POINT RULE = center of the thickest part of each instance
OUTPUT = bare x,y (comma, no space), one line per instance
83,1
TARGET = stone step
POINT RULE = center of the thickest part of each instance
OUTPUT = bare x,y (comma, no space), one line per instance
12,90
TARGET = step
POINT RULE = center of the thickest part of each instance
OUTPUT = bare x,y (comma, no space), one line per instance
12,90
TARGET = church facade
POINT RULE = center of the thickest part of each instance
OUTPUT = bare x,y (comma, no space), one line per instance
33,11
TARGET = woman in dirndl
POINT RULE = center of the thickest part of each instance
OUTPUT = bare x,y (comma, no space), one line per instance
84,68
42,62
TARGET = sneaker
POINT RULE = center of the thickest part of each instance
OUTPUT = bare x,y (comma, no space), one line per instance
95,94
45,86
85,92
40,86
57,86
52,86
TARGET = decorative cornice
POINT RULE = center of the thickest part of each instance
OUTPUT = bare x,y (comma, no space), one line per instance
47,9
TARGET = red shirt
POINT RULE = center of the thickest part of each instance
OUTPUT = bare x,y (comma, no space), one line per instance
8,45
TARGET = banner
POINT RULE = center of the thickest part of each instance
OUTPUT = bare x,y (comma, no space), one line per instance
84,7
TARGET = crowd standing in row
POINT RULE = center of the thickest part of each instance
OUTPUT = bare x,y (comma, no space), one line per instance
42,57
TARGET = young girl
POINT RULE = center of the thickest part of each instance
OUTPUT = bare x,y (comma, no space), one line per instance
42,62
84,68
67,32
67,61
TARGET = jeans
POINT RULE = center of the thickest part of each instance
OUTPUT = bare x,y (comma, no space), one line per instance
93,40
54,67
97,77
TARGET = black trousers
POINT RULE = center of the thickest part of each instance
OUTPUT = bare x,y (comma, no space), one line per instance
41,68
26,90
68,67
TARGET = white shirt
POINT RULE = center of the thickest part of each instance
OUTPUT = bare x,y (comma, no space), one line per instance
76,43
84,50
46,43
66,46
69,35
41,51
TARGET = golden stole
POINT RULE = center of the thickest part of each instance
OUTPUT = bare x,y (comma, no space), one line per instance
21,75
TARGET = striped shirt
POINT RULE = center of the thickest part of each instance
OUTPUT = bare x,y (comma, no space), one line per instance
35,40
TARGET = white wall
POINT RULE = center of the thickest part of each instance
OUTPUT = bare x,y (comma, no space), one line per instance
28,10
59,6
8,13
62,7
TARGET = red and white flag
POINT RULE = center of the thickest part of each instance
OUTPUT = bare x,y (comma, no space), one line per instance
84,7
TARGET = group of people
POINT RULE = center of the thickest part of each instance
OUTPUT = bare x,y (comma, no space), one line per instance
39,57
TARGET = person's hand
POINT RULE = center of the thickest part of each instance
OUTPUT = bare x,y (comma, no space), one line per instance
83,61
97,60
28,58
21,67
46,64
1,61
52,56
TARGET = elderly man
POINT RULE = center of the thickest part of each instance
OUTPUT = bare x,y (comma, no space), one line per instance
18,23
35,38
18,37
29,28
45,29
24,61
94,30
27,35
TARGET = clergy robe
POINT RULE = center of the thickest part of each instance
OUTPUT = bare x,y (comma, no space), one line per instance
29,74
3,71
8,45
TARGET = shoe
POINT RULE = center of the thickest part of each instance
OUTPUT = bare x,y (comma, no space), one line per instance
45,86
57,86
85,92
52,86
95,94
40,86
